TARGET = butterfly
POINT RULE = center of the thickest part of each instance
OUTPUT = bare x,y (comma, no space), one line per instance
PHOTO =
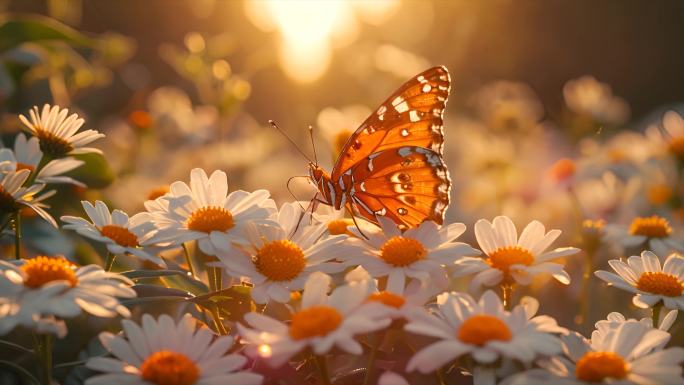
392,165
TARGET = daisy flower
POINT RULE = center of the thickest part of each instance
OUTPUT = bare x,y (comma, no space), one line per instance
673,133
650,282
47,289
13,195
321,323
205,212
629,353
57,132
391,378
120,234
484,331
652,233
398,304
163,352
511,259
334,220
418,253
27,155
278,258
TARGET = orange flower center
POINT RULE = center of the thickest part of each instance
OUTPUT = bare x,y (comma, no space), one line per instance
504,257
140,119
120,235
53,145
480,329
41,270
652,227
562,169
169,368
659,194
399,251
388,299
7,202
597,366
157,192
660,283
24,166
339,226
280,260
316,321
211,218
677,146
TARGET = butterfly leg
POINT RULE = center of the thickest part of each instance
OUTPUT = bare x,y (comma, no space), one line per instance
349,210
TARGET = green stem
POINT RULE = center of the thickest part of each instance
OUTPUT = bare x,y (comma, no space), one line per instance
586,286
322,369
377,337
507,294
17,234
45,159
439,373
656,313
188,259
109,261
44,350
216,315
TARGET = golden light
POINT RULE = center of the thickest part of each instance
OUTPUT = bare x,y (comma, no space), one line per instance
265,351
309,30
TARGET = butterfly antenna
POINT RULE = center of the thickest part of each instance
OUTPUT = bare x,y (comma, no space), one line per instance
274,125
313,145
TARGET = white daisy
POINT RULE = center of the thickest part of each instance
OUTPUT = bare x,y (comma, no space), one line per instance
588,96
484,331
672,134
510,259
628,353
334,220
418,253
13,195
46,289
57,132
398,304
321,323
205,212
278,258
652,233
27,155
614,320
650,282
163,352
121,234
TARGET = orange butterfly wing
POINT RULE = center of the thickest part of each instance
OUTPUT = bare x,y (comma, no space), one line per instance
411,116
395,157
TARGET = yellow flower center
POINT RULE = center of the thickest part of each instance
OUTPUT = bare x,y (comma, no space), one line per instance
157,192
480,329
210,218
660,283
169,368
597,366
24,166
388,299
280,260
504,257
120,235
399,251
7,202
41,270
652,227
316,321
53,145
591,225
659,194
677,146
339,226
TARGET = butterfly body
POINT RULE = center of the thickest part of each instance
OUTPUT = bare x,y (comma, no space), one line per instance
392,165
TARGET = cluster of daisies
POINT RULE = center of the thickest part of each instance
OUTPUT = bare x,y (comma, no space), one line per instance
320,287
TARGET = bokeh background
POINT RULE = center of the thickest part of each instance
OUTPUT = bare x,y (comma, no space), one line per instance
178,84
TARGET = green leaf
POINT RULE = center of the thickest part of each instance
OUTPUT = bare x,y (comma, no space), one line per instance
17,30
95,173
20,371
139,274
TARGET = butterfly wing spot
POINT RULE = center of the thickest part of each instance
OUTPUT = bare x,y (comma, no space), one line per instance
414,116
402,211
382,212
402,107
426,87
356,145
404,132
382,110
